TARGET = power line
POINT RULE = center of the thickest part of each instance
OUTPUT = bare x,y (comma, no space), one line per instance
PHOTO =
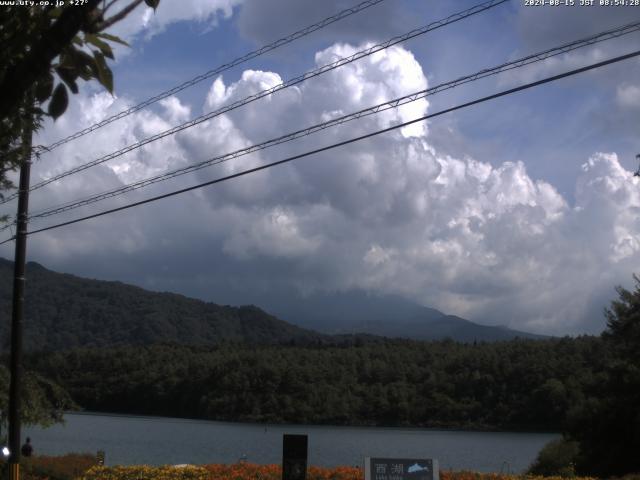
294,81
530,59
345,142
222,68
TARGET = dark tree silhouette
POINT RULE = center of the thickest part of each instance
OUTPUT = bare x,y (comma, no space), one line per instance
45,50
608,427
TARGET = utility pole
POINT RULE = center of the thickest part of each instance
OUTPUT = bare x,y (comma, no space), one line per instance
637,174
18,294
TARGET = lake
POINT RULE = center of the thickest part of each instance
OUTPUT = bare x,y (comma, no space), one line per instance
129,440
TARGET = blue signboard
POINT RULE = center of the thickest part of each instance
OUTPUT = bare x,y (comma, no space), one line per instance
400,469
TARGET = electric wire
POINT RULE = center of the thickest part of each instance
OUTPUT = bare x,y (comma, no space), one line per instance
289,83
222,68
342,143
527,60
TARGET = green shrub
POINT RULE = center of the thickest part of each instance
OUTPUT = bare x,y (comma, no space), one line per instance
557,458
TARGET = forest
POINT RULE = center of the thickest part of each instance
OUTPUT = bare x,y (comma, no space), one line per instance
517,385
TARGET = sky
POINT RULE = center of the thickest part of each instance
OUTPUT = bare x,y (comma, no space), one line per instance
522,211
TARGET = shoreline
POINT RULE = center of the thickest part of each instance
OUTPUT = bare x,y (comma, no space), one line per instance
465,429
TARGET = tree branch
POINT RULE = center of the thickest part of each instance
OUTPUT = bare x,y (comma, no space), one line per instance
118,16
38,61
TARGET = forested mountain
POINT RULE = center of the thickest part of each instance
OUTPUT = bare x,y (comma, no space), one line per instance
521,384
356,311
64,311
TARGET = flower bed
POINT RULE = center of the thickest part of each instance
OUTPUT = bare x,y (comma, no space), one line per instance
249,471
144,472
43,467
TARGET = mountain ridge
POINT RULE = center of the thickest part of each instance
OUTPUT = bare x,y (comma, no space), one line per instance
65,311
357,311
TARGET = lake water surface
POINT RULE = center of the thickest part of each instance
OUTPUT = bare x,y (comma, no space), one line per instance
129,440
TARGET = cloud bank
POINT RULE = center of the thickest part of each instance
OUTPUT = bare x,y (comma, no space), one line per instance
391,214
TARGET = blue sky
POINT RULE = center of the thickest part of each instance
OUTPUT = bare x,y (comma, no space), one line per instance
522,211
556,113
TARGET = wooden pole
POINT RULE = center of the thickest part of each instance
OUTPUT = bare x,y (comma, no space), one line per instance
18,297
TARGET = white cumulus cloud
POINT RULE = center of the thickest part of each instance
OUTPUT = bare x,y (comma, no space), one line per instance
149,22
390,214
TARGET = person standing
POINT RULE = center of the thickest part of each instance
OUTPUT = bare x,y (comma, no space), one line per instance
27,449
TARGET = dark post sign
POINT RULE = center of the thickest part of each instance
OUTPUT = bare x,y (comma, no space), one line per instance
401,469
294,457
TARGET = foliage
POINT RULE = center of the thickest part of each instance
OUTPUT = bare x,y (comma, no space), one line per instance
557,458
501,385
43,401
607,425
45,50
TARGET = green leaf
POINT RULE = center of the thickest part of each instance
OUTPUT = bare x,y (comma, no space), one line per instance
104,47
86,73
83,59
112,38
59,101
105,77
79,62
152,3
44,88
77,41
68,76
66,58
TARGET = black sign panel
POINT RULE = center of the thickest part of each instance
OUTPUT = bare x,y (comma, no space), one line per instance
294,457
401,469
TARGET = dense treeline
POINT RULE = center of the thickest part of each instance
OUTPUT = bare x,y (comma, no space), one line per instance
531,385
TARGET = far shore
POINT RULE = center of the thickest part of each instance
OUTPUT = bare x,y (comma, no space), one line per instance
461,428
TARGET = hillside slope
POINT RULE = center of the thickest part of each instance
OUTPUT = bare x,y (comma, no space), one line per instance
387,315
64,311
